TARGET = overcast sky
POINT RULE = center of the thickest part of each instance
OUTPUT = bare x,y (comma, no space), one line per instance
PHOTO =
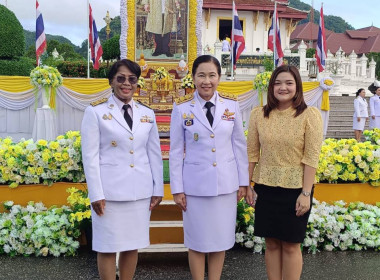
69,17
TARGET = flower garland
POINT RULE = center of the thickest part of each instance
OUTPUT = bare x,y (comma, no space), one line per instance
28,162
124,29
198,27
331,227
347,160
47,77
36,230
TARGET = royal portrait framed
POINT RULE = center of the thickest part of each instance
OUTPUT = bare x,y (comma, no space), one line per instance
162,30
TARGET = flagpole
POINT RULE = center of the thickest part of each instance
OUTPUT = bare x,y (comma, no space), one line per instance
274,34
232,41
88,39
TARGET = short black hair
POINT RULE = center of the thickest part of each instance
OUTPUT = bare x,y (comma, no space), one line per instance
131,65
204,59
372,88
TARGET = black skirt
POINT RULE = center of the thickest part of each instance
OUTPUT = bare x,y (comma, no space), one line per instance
275,214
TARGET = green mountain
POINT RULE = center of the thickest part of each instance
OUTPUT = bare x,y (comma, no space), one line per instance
333,23
30,39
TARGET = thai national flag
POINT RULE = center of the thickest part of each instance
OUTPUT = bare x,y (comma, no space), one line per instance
321,44
277,52
238,43
96,47
40,34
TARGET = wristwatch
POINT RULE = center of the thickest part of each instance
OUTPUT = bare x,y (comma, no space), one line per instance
305,193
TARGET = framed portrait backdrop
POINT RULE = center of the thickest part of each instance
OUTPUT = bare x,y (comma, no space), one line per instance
162,30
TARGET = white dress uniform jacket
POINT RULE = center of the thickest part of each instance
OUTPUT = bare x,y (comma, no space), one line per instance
205,160
361,108
121,164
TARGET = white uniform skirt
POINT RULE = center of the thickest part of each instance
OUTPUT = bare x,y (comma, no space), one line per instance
209,222
123,227
358,125
374,123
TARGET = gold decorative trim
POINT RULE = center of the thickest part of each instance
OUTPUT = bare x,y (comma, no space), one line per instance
131,29
163,128
256,16
267,20
192,42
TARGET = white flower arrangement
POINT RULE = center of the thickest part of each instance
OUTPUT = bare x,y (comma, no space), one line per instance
187,82
45,76
331,227
34,230
28,162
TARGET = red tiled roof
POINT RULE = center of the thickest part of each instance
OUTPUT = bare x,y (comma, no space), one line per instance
369,28
372,44
359,34
257,5
303,32
336,40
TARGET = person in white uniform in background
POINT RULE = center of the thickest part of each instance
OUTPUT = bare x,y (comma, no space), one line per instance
360,114
374,105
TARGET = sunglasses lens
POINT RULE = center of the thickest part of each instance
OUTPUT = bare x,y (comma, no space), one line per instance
132,80
121,79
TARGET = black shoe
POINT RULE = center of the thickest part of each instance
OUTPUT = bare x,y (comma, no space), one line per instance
156,53
168,54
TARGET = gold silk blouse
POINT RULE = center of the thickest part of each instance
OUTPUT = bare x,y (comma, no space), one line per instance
286,144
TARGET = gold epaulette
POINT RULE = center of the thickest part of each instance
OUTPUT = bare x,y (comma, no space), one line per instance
183,99
99,101
228,96
143,104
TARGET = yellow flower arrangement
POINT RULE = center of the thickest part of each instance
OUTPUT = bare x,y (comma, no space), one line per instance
346,160
187,82
80,205
261,81
141,83
46,162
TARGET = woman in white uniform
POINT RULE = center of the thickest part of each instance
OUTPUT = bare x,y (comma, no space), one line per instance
208,167
374,105
360,114
123,166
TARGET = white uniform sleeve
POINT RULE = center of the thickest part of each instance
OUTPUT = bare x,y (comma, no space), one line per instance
90,137
177,144
155,159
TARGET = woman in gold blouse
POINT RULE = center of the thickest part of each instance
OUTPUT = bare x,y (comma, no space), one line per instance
289,135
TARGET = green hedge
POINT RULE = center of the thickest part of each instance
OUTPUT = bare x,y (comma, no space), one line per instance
21,67
12,36
79,69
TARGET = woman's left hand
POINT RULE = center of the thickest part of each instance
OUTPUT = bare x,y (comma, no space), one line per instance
154,201
242,192
302,205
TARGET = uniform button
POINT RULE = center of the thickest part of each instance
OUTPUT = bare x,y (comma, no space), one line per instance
131,138
132,165
214,164
131,151
213,150
212,135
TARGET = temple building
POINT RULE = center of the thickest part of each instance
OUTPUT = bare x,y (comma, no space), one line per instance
255,18
360,41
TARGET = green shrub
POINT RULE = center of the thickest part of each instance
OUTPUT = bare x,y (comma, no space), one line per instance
79,69
20,67
12,36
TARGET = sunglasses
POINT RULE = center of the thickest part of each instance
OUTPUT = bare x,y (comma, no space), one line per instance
131,79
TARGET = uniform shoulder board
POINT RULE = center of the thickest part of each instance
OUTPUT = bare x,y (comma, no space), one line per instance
99,101
230,96
143,104
183,99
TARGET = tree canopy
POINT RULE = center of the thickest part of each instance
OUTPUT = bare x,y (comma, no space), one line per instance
11,35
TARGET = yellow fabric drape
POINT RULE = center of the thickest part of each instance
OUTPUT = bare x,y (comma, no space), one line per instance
86,86
236,88
308,86
15,84
325,105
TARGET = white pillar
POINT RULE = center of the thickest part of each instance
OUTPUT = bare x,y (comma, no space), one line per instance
353,57
372,69
363,62
302,52
218,51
